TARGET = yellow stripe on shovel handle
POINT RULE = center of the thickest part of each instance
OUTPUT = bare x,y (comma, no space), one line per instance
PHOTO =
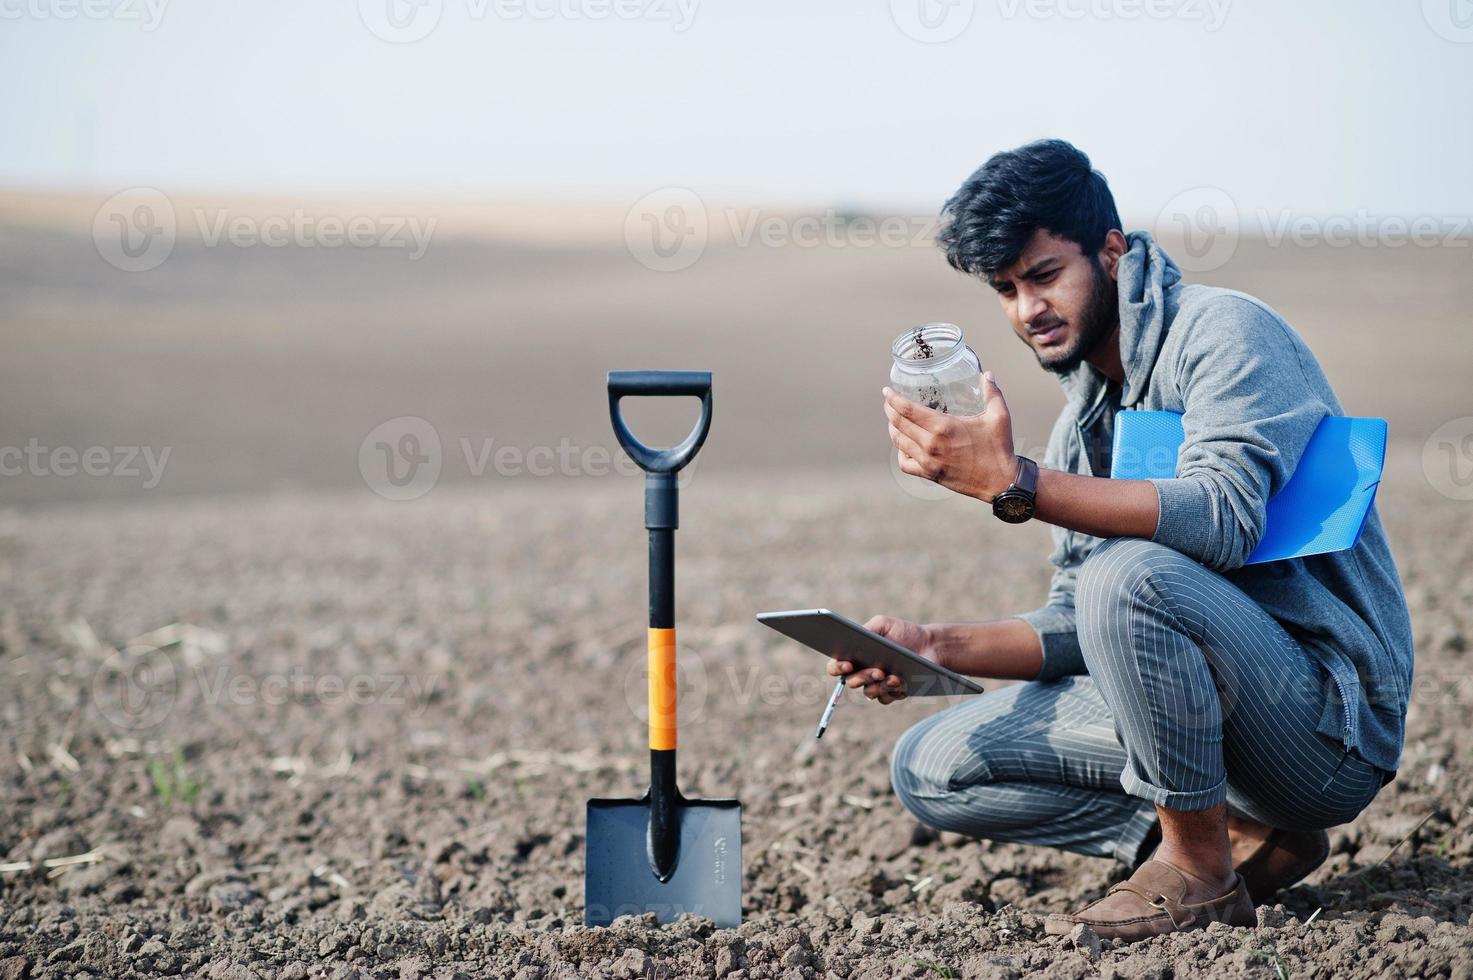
662,688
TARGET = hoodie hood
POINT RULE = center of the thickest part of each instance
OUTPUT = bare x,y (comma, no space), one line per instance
1144,276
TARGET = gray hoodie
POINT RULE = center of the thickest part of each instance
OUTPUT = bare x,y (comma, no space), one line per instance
1251,394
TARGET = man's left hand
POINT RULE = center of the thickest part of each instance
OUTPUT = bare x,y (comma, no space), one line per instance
970,454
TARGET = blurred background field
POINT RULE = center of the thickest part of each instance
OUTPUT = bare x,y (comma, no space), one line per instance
263,369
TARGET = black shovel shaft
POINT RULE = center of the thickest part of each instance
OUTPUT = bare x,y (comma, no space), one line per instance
664,837
662,517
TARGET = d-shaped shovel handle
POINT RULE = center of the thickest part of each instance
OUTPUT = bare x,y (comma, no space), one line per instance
693,383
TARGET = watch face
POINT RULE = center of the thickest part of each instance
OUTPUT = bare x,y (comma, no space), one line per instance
1015,508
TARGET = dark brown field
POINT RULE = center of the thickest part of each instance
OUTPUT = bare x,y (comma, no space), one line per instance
360,732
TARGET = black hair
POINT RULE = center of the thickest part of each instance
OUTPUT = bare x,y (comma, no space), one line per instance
1046,184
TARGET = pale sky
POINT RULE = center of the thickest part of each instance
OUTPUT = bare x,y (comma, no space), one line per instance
1322,106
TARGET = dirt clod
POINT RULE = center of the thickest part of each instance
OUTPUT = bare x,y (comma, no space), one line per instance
1083,938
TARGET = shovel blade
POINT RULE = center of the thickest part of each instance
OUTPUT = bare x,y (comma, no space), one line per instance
707,881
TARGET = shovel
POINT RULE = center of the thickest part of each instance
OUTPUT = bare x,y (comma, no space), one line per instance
662,853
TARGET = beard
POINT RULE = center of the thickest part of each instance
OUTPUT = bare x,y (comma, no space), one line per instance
1100,317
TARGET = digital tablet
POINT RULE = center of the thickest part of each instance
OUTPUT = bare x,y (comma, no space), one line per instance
843,639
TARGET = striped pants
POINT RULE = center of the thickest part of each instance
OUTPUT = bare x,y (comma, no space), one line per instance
1194,696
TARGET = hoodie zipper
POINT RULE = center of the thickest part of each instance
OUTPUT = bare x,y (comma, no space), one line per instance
1081,450
1090,417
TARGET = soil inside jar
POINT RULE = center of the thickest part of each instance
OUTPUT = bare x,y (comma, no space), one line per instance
923,349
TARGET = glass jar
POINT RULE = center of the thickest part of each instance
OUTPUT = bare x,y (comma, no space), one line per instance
933,365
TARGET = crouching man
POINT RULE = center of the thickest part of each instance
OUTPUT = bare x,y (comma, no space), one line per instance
1200,720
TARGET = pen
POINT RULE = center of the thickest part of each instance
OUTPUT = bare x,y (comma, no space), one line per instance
829,711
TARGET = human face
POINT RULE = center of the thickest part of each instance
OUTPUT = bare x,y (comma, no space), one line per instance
1061,302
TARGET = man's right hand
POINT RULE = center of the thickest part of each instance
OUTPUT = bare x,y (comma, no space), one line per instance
878,685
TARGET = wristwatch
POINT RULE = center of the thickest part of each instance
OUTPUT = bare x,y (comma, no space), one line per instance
1016,504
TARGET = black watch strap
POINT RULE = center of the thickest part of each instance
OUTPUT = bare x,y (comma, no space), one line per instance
1027,478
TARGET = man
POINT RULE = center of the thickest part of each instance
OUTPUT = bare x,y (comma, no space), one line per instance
1199,718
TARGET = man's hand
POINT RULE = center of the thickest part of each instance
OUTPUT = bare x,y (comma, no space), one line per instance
878,685
970,454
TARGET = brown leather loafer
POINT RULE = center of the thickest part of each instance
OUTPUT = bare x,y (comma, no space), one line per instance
1281,859
1149,903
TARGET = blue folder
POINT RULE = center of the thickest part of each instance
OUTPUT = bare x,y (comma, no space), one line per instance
1321,509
